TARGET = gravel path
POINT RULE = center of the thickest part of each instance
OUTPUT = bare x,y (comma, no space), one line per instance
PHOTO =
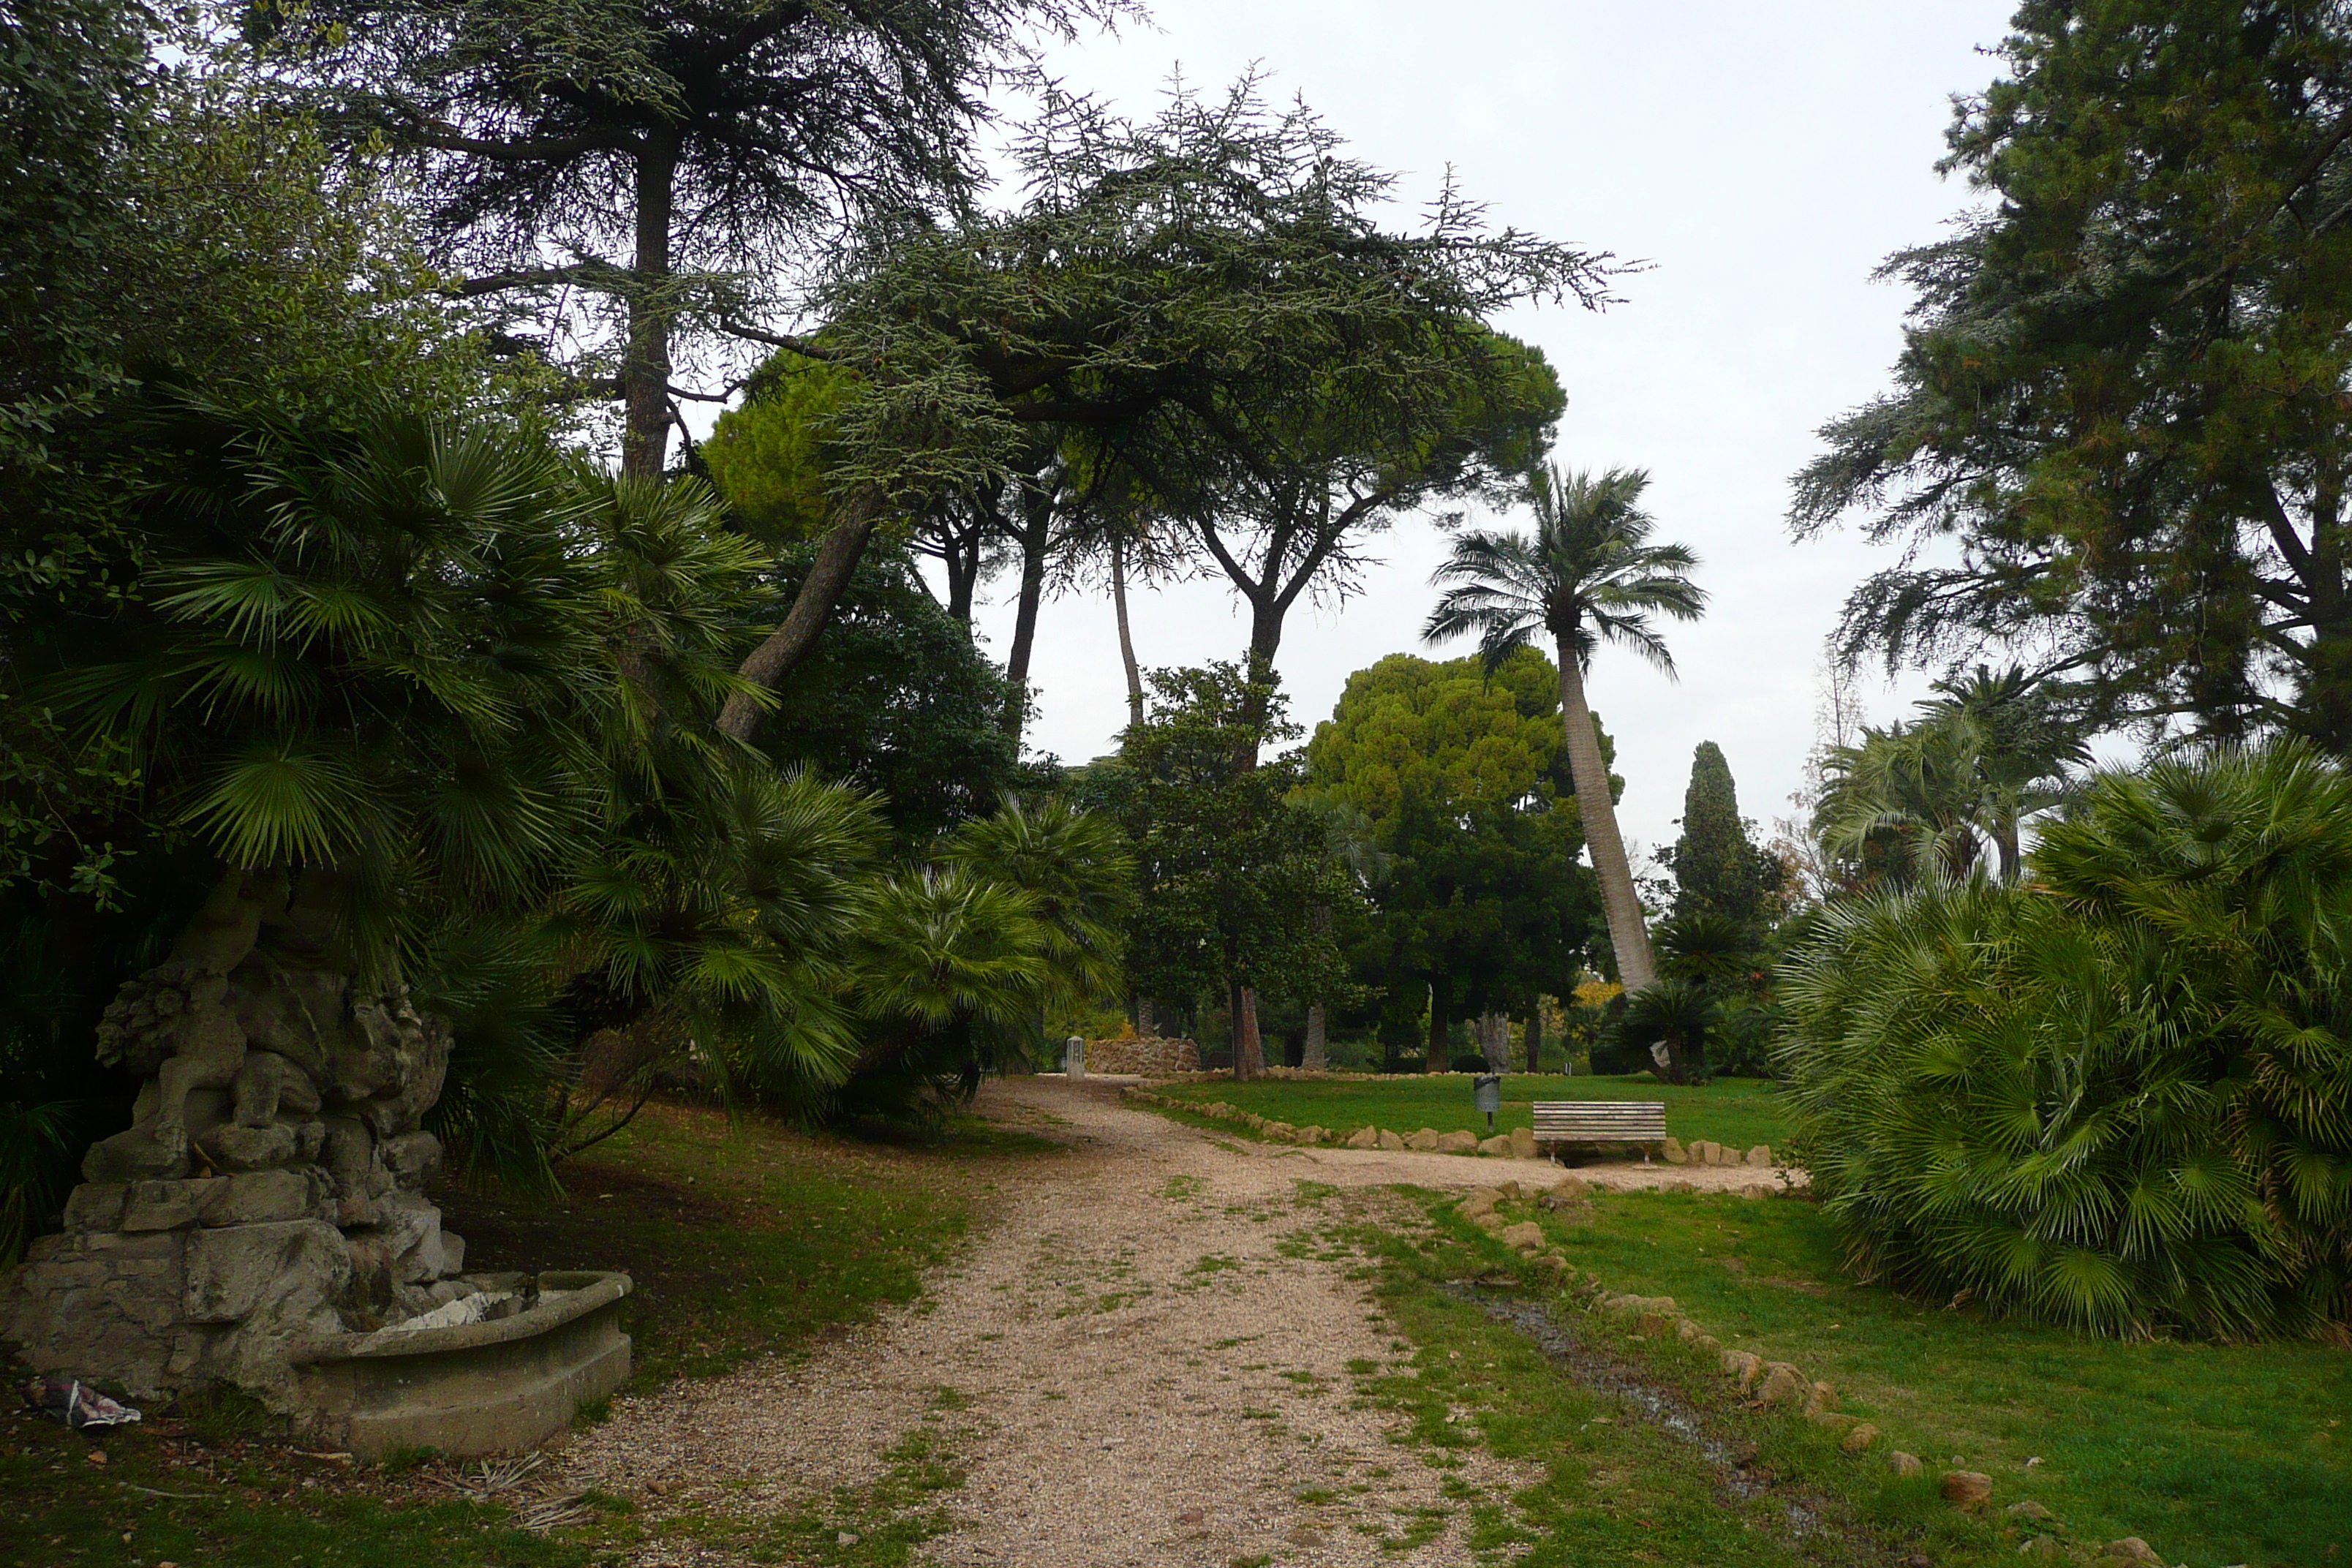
1143,1359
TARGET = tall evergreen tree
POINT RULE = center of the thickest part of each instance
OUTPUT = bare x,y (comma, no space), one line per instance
661,160
1718,868
2120,414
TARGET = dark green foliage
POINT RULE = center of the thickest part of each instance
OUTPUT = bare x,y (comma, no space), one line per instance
1457,776
2119,1097
1230,868
2119,411
897,700
1677,1015
1718,868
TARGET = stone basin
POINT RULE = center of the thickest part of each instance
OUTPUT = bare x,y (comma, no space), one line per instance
506,1381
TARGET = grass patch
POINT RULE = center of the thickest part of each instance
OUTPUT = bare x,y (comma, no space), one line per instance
2216,1454
2219,1455
743,1239
1741,1112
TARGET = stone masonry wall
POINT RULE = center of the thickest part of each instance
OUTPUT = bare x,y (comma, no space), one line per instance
1150,1056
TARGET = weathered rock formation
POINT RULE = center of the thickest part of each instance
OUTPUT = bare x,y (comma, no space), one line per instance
270,1189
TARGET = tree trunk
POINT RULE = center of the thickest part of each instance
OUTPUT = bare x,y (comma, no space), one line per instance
1441,1000
1315,1059
1249,1050
962,558
1126,638
854,522
1495,1040
1036,527
645,359
1628,935
1534,1033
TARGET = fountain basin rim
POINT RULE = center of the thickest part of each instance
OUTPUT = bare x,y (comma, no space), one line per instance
584,1291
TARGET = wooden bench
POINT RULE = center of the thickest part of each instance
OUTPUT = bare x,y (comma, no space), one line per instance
1642,1122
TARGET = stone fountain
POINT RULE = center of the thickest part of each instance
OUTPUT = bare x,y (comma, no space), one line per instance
263,1222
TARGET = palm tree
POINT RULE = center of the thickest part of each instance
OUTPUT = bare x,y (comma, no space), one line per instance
1587,575
1928,799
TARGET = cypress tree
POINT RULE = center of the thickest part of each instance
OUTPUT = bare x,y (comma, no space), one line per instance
1714,864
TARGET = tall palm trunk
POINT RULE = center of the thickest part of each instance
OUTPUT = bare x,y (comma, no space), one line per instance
1627,932
1126,638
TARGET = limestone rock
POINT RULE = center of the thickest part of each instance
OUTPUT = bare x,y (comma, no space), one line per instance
1687,1331
1783,1385
1424,1141
2130,1548
1760,1156
1700,1153
1720,1155
1499,1145
1527,1232
1307,1137
264,1197
1682,1187
1905,1464
1490,1222
1968,1489
2029,1509
1709,1344
1571,1187
95,1206
1481,1201
1675,1152
1743,1365
163,1205
1390,1142
1653,1325
413,1158
1509,1190
1821,1400
1860,1439
233,1272
1458,1142
1523,1142
1364,1138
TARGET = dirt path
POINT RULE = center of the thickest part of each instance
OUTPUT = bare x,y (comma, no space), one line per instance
1146,1359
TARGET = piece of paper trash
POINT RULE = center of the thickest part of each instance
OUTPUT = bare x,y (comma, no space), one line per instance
73,1402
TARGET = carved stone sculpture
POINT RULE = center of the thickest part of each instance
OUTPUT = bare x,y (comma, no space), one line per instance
270,1187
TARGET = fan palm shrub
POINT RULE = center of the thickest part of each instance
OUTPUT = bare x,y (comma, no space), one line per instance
2119,1095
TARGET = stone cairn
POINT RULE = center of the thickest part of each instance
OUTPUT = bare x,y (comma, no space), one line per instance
270,1189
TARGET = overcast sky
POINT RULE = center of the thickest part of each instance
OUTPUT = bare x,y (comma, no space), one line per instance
1762,158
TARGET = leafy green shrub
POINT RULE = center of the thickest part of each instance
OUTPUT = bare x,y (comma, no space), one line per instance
2118,1095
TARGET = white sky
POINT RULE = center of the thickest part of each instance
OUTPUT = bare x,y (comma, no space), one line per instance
1764,158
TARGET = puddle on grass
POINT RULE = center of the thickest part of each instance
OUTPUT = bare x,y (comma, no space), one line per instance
1599,1369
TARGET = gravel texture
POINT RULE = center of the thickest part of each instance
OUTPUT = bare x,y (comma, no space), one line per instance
1142,1360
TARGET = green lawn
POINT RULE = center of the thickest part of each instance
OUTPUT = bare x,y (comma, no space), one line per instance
2215,1454
1741,1112
742,1239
